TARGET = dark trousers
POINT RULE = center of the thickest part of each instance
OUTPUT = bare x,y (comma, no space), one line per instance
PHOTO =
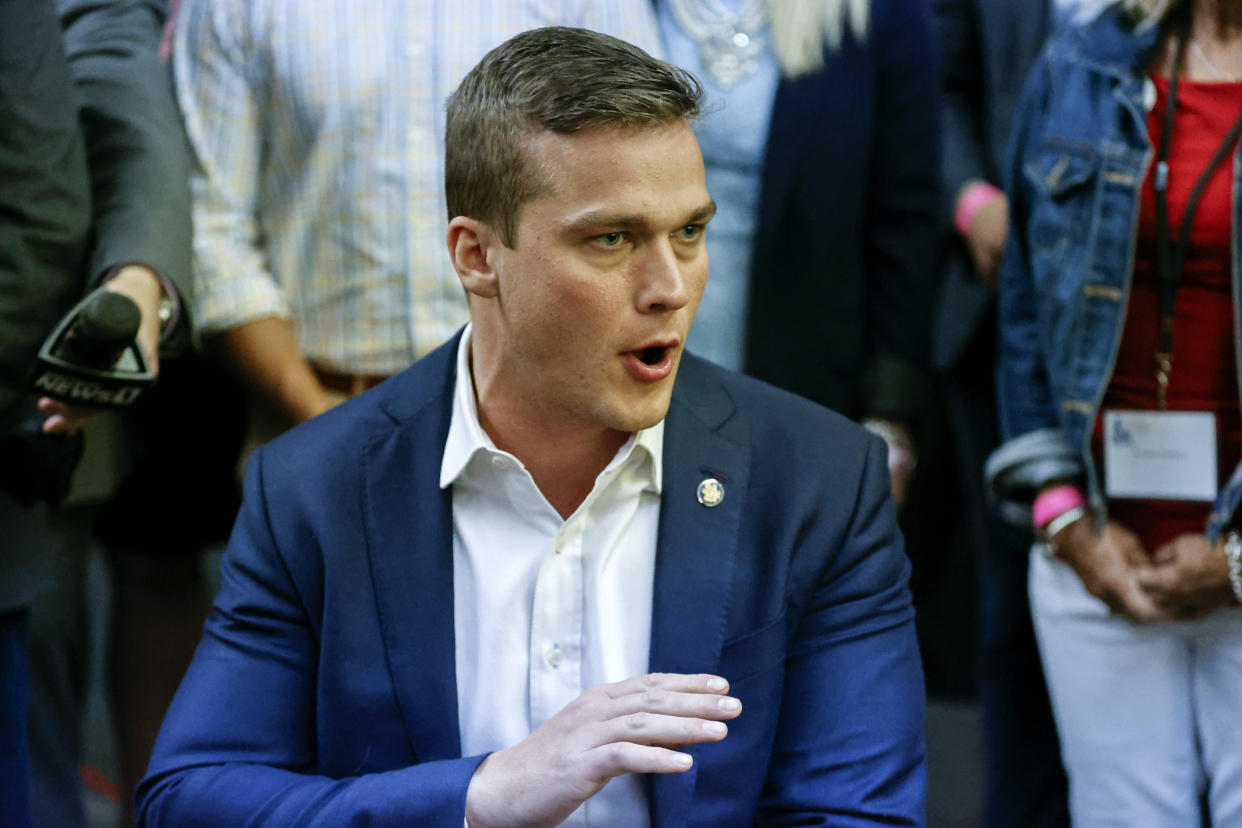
1025,781
180,495
60,663
14,700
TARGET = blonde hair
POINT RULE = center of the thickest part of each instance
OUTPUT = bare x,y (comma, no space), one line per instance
1148,13
802,30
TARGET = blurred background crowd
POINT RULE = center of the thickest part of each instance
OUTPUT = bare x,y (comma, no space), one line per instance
1001,234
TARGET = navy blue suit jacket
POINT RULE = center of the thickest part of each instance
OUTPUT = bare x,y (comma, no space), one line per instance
323,693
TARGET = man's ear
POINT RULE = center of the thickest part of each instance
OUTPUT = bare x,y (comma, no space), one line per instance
470,242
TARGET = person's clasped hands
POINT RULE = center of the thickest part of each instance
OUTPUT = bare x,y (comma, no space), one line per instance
1185,578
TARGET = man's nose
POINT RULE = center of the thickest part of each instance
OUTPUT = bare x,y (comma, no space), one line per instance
665,280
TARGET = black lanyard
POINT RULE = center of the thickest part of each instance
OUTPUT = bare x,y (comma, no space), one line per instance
1172,260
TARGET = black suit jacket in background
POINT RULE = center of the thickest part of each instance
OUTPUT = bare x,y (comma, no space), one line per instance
987,47
138,157
45,206
850,223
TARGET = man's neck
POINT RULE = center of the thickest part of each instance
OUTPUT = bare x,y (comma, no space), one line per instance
563,458
563,462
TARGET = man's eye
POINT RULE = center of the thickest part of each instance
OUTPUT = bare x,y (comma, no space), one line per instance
610,239
690,232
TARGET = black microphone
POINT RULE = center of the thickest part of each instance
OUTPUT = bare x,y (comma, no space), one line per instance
93,358
107,325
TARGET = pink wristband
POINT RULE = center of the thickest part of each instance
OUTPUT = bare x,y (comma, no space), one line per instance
1055,502
968,203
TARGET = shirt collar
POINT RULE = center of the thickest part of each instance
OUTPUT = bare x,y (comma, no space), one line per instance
466,436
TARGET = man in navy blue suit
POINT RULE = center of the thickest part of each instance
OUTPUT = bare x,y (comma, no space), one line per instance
534,579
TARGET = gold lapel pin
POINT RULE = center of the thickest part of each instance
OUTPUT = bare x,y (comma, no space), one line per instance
711,492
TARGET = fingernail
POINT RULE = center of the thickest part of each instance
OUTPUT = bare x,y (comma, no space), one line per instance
729,703
715,728
717,684
683,760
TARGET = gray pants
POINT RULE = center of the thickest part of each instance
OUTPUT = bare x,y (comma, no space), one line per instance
1150,724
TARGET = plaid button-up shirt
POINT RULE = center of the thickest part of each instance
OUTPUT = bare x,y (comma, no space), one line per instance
318,129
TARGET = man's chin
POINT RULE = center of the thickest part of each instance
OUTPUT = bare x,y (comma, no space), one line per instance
647,412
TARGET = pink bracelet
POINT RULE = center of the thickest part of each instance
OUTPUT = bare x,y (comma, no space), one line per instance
1055,502
968,203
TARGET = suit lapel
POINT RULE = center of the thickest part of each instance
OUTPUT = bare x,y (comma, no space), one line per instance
410,547
695,552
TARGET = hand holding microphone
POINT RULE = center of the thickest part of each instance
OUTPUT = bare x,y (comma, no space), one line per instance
103,354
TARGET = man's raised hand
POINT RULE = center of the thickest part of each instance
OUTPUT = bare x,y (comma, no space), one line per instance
631,726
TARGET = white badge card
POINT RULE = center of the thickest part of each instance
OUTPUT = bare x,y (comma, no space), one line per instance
1160,455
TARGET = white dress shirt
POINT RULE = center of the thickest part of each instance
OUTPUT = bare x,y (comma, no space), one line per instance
545,608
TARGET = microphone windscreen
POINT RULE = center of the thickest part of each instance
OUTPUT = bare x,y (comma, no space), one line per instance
106,326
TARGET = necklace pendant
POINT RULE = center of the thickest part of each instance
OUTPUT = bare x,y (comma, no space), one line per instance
726,66
729,43
1164,366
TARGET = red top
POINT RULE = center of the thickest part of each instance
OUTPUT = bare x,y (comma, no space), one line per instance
1204,375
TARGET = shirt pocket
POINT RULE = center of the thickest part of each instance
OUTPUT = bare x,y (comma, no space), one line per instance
1062,176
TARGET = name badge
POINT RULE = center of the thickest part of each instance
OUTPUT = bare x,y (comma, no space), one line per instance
1160,455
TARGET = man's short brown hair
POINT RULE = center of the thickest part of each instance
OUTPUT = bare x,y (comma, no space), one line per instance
557,79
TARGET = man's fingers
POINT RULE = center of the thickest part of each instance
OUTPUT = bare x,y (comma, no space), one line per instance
674,682
659,730
647,710
613,759
670,703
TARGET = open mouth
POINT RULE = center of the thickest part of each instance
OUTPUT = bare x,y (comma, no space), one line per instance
652,363
653,355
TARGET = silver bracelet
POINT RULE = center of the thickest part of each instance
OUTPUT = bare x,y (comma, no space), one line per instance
1233,554
1048,532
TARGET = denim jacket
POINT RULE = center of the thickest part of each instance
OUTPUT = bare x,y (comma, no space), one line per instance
1078,158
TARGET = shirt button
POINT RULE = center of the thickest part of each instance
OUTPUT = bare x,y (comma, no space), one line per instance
555,656
500,462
